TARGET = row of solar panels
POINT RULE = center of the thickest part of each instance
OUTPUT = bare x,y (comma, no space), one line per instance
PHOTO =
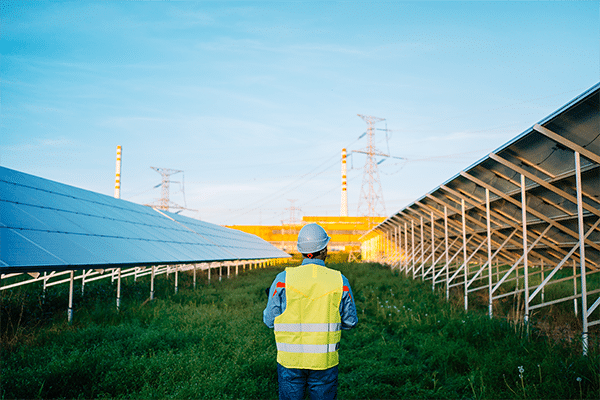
545,155
49,226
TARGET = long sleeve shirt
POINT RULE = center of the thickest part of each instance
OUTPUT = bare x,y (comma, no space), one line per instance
277,300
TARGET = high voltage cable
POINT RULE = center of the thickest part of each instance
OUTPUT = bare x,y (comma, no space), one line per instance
276,195
302,177
336,188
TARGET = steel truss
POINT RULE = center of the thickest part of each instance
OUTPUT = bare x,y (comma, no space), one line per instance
518,222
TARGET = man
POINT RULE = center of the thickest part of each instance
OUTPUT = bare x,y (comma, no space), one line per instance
308,307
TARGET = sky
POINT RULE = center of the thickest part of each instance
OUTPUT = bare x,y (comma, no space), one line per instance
254,101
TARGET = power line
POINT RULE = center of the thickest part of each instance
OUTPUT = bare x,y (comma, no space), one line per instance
295,184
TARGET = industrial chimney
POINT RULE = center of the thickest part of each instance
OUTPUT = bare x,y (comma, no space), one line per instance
344,207
118,174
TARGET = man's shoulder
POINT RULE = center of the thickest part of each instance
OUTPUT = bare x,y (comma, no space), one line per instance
280,277
333,271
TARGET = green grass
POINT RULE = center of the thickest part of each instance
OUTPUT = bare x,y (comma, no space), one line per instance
211,343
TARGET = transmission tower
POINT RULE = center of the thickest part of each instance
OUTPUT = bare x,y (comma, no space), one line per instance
292,209
164,202
371,193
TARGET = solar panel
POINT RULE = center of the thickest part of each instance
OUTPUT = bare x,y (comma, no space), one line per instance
46,225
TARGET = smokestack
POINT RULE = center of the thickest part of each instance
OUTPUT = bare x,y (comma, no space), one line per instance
344,207
118,174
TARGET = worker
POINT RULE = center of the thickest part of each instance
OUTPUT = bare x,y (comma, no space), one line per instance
308,307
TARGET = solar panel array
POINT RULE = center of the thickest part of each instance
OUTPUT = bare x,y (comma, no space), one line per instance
544,155
524,219
49,226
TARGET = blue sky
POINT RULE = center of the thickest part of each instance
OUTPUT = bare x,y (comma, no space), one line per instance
255,100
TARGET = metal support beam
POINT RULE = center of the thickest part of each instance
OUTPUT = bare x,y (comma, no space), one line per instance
565,142
533,212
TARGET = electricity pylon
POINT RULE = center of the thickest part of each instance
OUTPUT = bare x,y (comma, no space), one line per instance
292,209
371,193
164,203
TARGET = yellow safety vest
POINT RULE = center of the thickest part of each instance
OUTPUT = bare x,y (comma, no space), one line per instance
308,332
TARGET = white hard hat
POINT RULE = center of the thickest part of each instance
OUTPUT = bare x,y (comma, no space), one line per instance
312,238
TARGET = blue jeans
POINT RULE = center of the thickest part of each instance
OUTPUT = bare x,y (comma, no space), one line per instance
321,384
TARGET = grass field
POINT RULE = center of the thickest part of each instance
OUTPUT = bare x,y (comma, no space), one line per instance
211,343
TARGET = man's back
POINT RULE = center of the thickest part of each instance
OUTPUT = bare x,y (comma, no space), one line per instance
309,330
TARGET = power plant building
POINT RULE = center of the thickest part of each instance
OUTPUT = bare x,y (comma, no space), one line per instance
344,231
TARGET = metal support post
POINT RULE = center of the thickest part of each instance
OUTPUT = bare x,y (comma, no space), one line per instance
412,227
543,288
489,243
152,282
446,251
432,253
70,312
391,251
422,267
385,246
397,246
82,282
176,278
119,289
464,248
405,248
44,287
525,249
575,308
195,265
584,309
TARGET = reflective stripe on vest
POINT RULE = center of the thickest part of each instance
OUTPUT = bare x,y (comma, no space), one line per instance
308,332
307,348
308,327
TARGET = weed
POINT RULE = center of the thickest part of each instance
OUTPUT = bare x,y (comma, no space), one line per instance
211,343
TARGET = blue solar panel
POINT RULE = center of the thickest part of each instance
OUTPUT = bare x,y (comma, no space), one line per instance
46,225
